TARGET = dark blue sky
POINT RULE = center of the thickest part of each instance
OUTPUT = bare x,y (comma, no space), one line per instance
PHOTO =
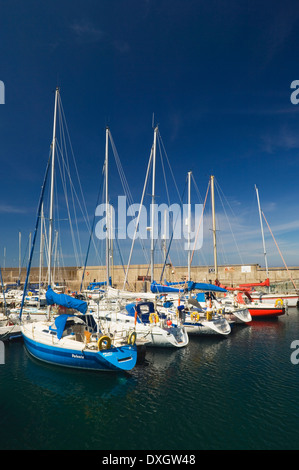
217,76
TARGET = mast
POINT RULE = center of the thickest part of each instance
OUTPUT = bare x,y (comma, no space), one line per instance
52,194
20,237
153,203
107,209
189,225
41,251
165,236
262,229
30,234
214,227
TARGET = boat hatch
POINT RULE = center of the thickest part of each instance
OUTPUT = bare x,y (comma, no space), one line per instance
51,332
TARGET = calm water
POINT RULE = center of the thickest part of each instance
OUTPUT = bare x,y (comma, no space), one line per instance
238,392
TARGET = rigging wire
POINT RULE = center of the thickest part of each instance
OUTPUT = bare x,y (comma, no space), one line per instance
279,251
218,191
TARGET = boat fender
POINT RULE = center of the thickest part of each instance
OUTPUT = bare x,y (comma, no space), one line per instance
104,343
153,318
193,316
278,303
209,315
132,338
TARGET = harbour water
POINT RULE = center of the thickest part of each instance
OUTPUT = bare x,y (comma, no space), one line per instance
237,392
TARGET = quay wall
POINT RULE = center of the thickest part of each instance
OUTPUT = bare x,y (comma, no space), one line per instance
139,275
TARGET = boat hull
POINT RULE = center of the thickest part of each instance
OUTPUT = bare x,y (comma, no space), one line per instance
292,300
10,332
263,313
174,338
219,326
123,358
238,316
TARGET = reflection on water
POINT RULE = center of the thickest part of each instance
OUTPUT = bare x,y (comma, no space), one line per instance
237,392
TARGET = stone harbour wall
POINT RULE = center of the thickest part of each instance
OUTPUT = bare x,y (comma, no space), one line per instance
139,275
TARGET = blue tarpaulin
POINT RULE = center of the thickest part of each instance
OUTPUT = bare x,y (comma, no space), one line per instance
204,286
65,301
60,323
190,285
158,288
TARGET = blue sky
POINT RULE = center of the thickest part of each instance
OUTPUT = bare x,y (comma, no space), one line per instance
215,74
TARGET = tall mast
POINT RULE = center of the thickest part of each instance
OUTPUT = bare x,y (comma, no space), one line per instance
262,229
214,227
41,251
153,204
20,236
189,225
52,191
107,209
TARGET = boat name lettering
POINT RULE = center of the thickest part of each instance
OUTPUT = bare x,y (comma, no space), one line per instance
76,356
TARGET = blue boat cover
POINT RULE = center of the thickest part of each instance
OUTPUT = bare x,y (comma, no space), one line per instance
158,288
204,286
130,308
96,285
60,323
65,301
198,285
200,297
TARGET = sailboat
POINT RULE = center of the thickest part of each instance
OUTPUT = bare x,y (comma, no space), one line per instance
115,311
72,339
202,317
8,329
290,299
75,340
183,307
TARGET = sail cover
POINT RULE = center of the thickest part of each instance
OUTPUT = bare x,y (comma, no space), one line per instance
65,301
158,288
205,287
190,285
60,324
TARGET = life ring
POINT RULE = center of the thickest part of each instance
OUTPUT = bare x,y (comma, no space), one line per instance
153,318
104,343
29,293
132,338
278,303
